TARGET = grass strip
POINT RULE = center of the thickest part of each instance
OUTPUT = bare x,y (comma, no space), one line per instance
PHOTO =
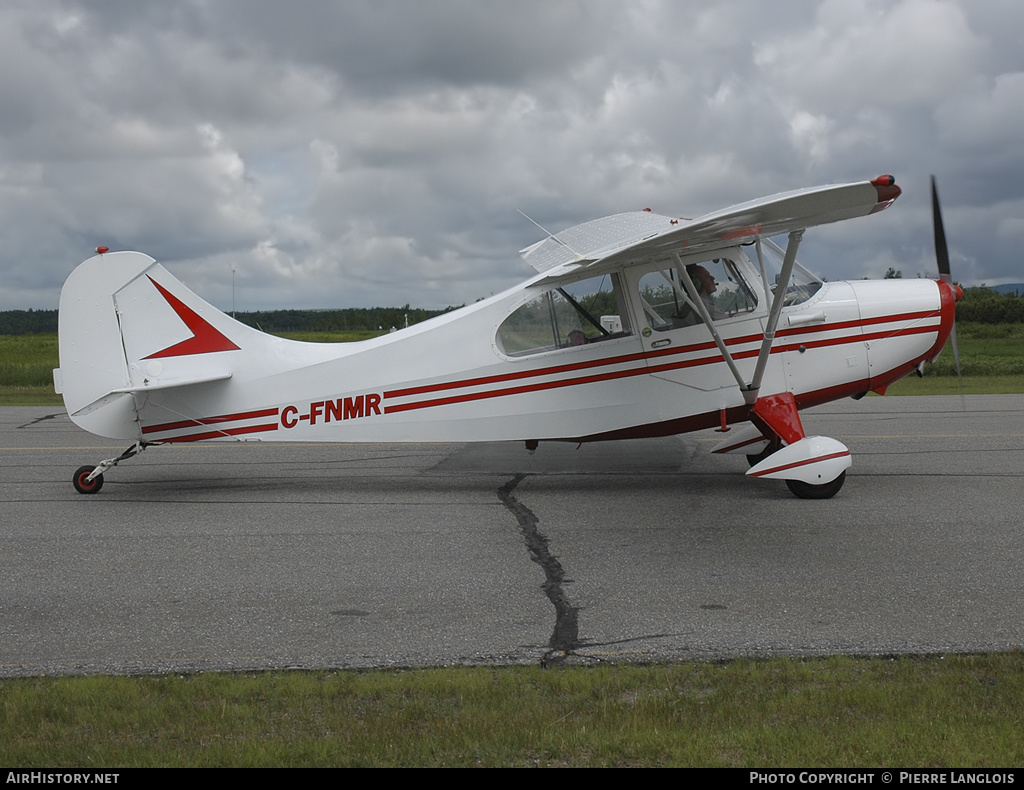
913,711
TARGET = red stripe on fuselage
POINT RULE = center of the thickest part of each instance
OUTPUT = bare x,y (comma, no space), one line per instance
220,434
246,415
648,368
626,358
538,387
522,374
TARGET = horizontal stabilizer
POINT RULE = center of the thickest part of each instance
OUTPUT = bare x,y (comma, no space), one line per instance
113,395
99,403
166,385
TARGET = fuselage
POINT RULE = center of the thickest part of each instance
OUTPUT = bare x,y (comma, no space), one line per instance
612,355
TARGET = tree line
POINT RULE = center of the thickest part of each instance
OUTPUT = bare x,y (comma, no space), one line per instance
366,318
28,322
986,306
980,305
32,322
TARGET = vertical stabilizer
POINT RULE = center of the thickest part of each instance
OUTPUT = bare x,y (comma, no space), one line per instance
92,357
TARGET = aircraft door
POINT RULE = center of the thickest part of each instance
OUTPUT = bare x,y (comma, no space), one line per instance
677,344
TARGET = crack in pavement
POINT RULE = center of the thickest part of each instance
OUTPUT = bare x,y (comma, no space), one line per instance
565,637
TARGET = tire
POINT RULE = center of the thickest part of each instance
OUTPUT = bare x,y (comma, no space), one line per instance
83,487
824,491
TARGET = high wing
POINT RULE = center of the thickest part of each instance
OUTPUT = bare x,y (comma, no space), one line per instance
643,235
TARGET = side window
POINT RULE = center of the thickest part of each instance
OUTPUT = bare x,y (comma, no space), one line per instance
662,298
574,314
720,284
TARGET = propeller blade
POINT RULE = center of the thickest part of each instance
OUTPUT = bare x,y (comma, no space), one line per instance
941,249
942,259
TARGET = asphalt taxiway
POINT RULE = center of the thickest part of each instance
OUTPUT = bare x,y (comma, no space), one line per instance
256,556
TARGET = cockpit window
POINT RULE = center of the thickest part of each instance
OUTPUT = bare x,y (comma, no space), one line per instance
720,285
802,284
574,314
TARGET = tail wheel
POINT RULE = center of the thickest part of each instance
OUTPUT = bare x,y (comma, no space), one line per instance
83,486
823,491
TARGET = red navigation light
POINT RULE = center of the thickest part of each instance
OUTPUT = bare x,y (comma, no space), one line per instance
101,250
887,191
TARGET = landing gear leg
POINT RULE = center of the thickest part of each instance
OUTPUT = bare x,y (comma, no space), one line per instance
89,479
814,467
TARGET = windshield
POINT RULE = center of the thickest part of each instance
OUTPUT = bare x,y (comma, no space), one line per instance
802,284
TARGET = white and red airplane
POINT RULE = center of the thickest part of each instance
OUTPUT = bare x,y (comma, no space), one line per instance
635,325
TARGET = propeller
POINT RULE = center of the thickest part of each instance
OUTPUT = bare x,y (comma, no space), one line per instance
942,258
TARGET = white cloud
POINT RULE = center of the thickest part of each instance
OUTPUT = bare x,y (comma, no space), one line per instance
912,52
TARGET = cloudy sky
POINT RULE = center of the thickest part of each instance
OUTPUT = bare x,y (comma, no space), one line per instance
339,153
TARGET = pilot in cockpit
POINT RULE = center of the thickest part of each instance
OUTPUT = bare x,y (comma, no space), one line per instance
706,286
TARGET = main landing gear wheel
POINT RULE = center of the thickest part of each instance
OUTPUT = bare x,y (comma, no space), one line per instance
87,487
823,491
753,459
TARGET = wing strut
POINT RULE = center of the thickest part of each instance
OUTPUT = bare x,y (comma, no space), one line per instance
695,302
750,391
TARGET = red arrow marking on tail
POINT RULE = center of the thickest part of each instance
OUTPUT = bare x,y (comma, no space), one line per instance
205,339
